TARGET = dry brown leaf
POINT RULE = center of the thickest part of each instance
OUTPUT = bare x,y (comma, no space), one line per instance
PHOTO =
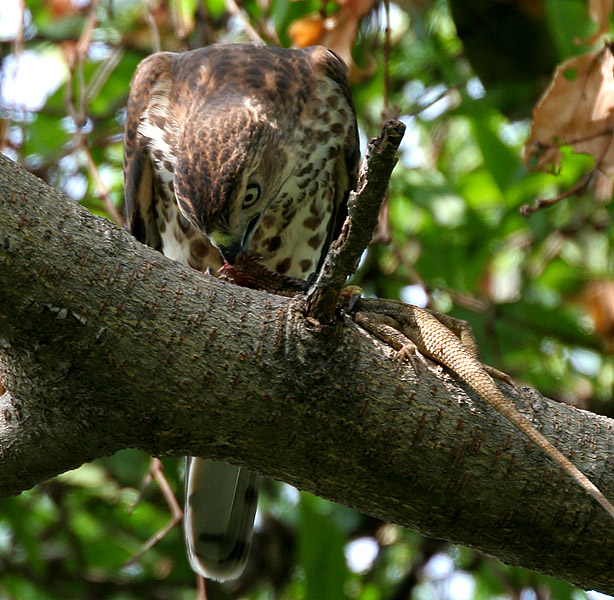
61,8
337,32
306,31
600,11
598,299
577,110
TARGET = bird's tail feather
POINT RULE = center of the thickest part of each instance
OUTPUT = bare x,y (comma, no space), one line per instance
220,505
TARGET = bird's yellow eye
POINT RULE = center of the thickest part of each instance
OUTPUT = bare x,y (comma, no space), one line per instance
252,193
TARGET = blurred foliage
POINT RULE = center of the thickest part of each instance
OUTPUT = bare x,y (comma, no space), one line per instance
537,291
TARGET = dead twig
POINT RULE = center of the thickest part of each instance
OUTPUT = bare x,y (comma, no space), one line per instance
528,209
18,48
77,107
580,187
363,211
235,10
156,472
151,21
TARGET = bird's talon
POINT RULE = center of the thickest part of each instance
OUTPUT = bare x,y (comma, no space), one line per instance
350,295
310,281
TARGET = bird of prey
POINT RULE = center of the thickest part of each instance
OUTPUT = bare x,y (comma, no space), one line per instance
237,150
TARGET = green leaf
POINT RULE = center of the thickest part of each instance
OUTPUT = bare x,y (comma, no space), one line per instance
45,137
569,22
321,546
500,160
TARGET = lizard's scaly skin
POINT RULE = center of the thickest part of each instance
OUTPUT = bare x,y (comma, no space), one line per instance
401,324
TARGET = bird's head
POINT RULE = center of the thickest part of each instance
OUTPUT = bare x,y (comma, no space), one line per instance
246,208
230,169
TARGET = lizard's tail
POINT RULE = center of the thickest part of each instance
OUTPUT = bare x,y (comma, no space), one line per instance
508,410
573,471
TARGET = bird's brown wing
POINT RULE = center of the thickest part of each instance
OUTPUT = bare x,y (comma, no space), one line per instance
138,172
329,64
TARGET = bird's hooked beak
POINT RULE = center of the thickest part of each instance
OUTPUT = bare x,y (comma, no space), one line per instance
228,246
231,246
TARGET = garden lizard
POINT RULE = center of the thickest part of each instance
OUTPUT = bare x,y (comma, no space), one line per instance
416,332
451,343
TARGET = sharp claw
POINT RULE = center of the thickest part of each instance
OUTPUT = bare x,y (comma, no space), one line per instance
310,280
351,294
411,353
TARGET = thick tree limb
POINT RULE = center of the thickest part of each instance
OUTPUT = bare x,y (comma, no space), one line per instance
105,344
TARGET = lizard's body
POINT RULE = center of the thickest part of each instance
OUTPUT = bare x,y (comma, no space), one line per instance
450,342
446,340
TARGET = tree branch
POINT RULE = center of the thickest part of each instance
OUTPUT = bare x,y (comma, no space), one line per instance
363,210
106,344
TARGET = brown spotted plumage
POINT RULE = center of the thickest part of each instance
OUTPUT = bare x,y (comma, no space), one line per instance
233,150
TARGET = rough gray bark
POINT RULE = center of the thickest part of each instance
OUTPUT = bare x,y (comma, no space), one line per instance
105,344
